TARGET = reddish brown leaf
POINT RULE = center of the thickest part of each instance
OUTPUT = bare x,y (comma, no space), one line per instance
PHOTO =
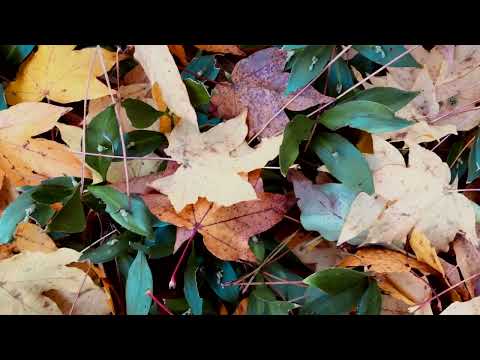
223,49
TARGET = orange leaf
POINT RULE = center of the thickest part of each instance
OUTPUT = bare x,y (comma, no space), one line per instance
223,49
179,52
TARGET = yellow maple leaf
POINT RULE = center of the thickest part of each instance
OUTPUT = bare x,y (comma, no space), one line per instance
28,161
59,73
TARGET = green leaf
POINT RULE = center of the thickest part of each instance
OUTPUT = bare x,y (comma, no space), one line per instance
296,131
289,292
336,280
108,251
257,247
163,242
42,213
340,78
307,65
140,143
15,54
141,114
474,160
49,194
364,115
139,281
17,211
382,54
190,287
177,306
393,98
203,120
71,218
102,135
344,161
204,66
364,65
461,165
223,272
197,92
137,219
262,301
293,47
371,301
3,102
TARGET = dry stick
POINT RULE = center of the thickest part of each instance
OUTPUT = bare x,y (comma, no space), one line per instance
461,151
121,157
455,112
286,282
173,282
122,140
97,241
84,122
291,219
441,142
80,289
158,302
299,93
364,80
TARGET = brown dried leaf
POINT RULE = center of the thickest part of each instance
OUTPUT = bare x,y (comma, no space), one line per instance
223,49
468,260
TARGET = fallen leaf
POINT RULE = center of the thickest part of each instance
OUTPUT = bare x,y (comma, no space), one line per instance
179,52
258,85
468,261
27,276
242,307
59,73
424,251
405,287
471,307
26,160
214,158
419,196
223,49
31,237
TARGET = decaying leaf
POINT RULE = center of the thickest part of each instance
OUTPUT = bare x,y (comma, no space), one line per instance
258,85
468,261
59,73
214,159
405,287
424,251
223,49
26,277
419,196
179,52
471,307
25,160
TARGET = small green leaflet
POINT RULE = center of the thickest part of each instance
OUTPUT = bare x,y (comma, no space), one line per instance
296,131
190,287
307,65
382,54
71,219
223,272
393,98
113,247
139,143
141,114
197,92
371,301
102,135
137,219
204,67
3,102
344,161
474,160
335,280
17,211
262,301
15,54
139,281
364,115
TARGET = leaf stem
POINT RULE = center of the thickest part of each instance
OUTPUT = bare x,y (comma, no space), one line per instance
158,302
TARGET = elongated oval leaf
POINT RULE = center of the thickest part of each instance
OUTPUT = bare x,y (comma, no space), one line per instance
71,218
15,54
393,98
163,242
190,286
204,67
113,247
221,273
140,143
371,301
262,301
474,160
139,281
340,78
18,210
344,161
382,54
197,92
364,115
296,131
141,114
336,280
307,65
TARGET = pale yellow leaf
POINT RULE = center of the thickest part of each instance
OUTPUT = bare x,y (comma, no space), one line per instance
424,251
30,237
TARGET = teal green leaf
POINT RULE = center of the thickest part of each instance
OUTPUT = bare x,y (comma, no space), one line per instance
190,287
393,98
15,54
223,272
262,301
3,102
460,167
257,247
141,114
382,54
364,115
17,211
71,218
296,131
203,120
340,78
474,160
344,161
102,135
113,247
336,280
197,92
307,65
289,292
139,143
293,47
137,218
364,65
49,194
371,301
203,66
42,213
139,281
163,242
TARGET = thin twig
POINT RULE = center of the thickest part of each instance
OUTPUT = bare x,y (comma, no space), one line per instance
286,282
158,302
462,151
80,289
440,142
292,219
99,240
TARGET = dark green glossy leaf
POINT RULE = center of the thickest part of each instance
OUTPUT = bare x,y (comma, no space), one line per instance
190,287
289,292
296,131
177,306
141,114
340,78
364,65
113,247
307,65
364,115
139,281
474,160
102,135
124,261
262,301
460,167
3,102
393,98
371,301
203,120
336,280
15,54
344,161
71,218
223,272
49,194
137,218
293,47
258,248
163,242
17,211
42,213
197,92
382,54
140,143
203,66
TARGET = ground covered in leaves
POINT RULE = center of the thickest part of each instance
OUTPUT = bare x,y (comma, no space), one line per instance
239,179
